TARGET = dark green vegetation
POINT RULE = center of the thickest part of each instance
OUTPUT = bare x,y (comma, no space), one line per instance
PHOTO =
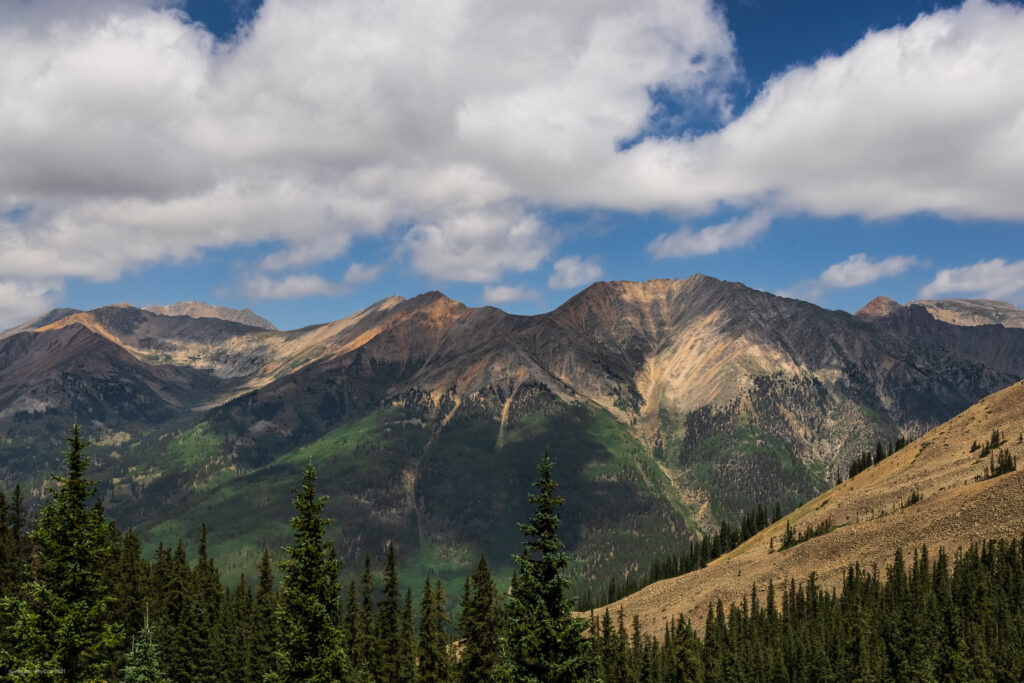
80,603
1000,461
792,537
867,458
693,557
959,619
78,599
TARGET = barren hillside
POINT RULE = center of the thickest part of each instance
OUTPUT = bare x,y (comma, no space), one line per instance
872,520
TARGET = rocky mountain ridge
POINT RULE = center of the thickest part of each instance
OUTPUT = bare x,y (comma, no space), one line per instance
199,309
669,404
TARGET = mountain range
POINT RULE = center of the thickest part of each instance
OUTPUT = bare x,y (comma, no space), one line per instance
668,406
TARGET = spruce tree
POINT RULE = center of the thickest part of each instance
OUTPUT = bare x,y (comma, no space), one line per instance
479,626
143,661
406,654
265,629
311,647
387,622
434,660
543,641
66,622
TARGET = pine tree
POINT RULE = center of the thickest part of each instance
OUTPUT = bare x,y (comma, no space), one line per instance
543,641
311,647
143,661
479,626
66,622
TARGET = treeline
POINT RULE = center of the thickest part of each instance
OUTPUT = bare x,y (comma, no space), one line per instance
941,620
868,458
695,556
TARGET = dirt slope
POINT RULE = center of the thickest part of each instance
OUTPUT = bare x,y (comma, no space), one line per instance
955,512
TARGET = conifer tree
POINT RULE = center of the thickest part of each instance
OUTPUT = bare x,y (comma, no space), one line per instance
265,628
364,641
406,654
543,641
206,596
479,626
66,623
143,661
388,633
311,647
434,660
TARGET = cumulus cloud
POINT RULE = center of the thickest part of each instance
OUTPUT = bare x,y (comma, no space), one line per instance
289,287
855,271
502,294
360,273
993,279
477,247
710,240
925,117
860,270
133,137
572,272
20,300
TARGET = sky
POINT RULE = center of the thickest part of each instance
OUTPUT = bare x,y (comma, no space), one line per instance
305,158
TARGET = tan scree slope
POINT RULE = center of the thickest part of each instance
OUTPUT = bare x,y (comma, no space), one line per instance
955,512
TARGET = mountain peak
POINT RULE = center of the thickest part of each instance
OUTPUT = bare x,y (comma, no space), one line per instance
879,307
199,309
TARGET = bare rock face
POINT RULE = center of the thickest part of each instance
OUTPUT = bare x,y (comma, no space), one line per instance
973,312
879,307
198,309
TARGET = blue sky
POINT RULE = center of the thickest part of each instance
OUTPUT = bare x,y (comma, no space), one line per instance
305,158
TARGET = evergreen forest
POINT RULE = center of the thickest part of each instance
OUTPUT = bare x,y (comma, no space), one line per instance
81,603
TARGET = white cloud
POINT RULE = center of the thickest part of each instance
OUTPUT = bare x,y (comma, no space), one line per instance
995,279
289,287
502,294
20,300
855,271
572,272
360,273
136,138
710,240
858,270
925,117
478,247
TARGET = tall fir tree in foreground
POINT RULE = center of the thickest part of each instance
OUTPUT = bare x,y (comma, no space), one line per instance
65,622
311,648
543,641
